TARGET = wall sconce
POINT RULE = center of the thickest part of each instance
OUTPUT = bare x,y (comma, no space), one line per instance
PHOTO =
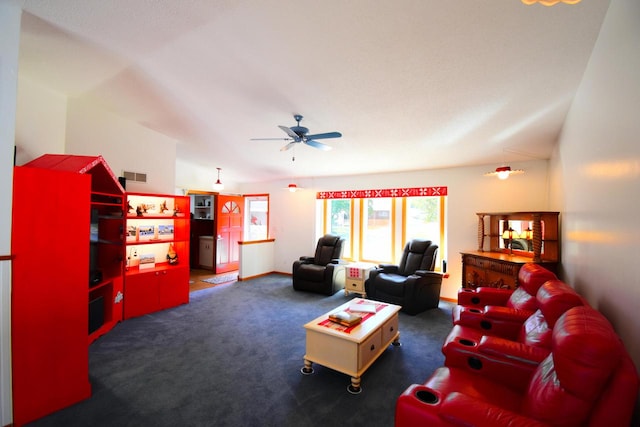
218,186
550,2
503,172
293,188
508,235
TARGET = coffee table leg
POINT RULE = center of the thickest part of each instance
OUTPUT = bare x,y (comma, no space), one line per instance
354,387
306,369
396,341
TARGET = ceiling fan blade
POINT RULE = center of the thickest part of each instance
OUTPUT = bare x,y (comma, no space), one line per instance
289,145
270,139
325,135
289,132
319,145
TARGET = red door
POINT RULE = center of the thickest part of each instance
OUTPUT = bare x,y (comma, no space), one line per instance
229,229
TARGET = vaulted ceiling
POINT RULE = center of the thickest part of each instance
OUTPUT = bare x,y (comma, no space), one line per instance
411,84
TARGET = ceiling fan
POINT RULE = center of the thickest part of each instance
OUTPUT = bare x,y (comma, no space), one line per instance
297,134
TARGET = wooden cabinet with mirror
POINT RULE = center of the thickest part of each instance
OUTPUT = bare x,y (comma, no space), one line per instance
506,241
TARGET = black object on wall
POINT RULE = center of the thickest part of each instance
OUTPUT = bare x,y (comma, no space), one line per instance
123,182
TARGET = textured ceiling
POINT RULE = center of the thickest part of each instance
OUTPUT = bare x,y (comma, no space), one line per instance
411,84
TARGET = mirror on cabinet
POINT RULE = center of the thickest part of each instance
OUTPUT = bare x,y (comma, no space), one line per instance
518,235
530,234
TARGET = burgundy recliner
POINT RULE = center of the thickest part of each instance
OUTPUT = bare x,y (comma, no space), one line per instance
496,309
515,356
588,379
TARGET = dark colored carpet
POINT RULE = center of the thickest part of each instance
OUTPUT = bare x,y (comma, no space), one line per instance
232,357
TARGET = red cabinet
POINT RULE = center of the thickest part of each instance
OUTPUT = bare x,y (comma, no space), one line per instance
157,251
150,291
49,311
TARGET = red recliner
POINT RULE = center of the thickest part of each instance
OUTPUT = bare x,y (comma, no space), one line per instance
502,310
588,379
515,355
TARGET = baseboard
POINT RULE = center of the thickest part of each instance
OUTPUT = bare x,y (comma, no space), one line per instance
240,279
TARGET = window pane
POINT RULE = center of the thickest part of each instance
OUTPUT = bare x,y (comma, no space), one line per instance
377,230
339,221
257,209
422,220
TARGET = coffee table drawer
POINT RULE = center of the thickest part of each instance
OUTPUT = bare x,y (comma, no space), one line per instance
369,349
389,329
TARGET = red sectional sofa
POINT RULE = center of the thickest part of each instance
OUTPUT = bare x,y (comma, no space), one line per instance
514,355
497,309
565,366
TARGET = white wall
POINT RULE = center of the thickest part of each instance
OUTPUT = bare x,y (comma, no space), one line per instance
40,126
78,126
10,14
293,216
124,144
596,176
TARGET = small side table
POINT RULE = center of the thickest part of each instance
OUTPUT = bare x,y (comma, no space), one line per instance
355,275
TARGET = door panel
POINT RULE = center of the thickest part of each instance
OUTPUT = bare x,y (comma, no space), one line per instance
229,231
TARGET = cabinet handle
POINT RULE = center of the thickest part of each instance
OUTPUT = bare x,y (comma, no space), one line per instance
373,347
391,329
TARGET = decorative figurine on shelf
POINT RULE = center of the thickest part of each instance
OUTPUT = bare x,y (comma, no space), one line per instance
163,207
172,255
129,207
143,209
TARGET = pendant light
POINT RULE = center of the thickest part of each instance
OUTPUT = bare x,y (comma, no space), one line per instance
293,187
218,186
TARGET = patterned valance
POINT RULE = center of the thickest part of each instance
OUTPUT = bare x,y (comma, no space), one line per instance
388,192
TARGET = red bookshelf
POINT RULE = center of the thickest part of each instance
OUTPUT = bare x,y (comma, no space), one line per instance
157,252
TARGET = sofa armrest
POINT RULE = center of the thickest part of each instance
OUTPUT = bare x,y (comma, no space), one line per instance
507,314
308,259
461,409
338,261
483,296
427,273
387,268
512,350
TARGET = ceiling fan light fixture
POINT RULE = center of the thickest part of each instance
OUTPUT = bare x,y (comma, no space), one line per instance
503,172
218,185
292,188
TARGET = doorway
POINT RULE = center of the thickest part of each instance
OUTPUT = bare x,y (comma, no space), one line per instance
229,221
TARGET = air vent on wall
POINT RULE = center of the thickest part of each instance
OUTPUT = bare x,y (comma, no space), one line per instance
135,176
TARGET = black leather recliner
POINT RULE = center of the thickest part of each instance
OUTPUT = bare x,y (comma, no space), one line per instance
324,272
411,284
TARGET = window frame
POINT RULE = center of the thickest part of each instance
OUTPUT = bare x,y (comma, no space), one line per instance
399,197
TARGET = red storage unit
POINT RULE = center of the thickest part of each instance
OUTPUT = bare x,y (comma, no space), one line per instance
157,230
105,239
49,311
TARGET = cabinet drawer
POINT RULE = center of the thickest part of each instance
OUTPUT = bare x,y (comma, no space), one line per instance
354,285
369,349
389,329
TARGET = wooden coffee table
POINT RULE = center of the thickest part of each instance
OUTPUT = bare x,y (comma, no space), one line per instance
351,350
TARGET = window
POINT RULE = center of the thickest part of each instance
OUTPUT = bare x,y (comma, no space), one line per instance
376,229
338,221
382,221
257,217
424,219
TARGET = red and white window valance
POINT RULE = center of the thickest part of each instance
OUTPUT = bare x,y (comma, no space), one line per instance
388,192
